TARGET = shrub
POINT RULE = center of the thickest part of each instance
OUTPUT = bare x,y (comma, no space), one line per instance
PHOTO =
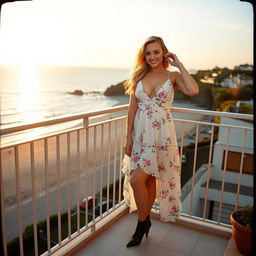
246,109
228,105
244,216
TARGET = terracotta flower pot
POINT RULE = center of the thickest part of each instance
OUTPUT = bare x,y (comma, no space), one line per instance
242,237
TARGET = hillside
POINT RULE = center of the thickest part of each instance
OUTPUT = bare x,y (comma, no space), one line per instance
211,94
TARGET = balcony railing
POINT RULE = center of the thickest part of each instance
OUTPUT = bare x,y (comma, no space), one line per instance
50,175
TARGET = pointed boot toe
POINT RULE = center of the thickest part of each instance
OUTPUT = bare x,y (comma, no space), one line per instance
141,229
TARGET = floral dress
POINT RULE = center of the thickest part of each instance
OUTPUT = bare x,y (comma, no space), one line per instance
155,150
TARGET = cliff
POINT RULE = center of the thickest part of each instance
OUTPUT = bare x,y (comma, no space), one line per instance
117,89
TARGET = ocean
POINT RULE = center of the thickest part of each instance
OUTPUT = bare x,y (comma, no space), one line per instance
31,95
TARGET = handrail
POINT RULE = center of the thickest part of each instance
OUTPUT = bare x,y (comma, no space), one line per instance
213,113
116,109
62,119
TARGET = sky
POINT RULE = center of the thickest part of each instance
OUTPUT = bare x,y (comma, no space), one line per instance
108,33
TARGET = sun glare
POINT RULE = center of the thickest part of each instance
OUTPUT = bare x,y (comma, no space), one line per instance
28,78
29,96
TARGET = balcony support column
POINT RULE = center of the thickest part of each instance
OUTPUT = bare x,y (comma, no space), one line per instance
85,121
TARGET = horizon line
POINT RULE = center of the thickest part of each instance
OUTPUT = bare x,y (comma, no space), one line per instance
102,67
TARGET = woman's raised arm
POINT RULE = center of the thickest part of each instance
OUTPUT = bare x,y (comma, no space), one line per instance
183,80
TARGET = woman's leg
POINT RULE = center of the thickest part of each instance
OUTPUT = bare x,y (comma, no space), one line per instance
140,191
151,187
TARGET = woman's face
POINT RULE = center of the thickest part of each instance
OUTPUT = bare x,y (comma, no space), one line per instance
154,54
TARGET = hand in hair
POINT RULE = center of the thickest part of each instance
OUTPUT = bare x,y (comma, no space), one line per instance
173,59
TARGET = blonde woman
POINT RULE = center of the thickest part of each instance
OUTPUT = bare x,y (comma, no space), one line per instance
151,163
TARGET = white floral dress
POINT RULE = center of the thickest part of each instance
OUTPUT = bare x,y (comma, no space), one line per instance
155,150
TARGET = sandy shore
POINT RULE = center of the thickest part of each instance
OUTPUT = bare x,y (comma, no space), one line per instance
93,157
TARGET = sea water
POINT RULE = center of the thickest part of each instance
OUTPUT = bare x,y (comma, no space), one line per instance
31,94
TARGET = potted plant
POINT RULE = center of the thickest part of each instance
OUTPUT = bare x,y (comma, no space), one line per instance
241,221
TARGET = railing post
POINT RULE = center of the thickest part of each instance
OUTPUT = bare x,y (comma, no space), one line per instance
3,242
85,121
93,228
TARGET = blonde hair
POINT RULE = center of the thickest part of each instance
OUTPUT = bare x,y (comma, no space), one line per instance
141,68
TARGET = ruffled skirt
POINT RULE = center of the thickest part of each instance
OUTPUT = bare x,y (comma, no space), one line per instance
162,162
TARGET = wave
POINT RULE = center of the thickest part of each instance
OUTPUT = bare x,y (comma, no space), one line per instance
80,92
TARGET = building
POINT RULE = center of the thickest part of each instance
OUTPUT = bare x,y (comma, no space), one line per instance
210,79
237,81
246,67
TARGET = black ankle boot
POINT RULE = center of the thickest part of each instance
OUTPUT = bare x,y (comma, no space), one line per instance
148,225
141,229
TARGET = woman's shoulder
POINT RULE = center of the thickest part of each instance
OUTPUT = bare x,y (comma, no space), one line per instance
173,73
173,76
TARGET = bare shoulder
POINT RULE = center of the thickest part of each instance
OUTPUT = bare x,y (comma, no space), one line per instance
173,77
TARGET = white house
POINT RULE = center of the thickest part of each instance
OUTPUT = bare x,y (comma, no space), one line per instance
231,81
246,67
236,81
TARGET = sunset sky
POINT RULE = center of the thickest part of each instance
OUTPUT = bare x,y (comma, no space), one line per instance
202,33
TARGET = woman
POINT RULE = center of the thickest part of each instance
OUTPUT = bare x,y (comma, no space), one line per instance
151,163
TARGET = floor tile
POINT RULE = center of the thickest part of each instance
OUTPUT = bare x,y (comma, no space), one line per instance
181,239
107,243
158,231
208,248
126,226
219,239
144,248
165,252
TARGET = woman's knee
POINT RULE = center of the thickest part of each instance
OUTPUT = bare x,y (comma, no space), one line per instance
151,179
138,177
134,181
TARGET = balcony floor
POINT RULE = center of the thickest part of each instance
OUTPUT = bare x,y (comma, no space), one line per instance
172,239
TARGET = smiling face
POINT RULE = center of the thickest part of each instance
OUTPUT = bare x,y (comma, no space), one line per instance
154,54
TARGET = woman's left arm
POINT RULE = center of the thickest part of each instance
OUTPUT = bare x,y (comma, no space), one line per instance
183,80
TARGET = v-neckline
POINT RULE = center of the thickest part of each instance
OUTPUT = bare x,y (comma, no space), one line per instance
156,92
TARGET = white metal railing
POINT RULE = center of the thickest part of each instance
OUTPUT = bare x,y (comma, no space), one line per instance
209,167
87,171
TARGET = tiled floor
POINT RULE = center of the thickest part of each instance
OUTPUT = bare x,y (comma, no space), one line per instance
164,239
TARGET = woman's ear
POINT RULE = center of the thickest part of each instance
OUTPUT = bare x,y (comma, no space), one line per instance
165,55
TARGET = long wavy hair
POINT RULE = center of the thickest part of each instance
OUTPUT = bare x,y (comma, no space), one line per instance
141,67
